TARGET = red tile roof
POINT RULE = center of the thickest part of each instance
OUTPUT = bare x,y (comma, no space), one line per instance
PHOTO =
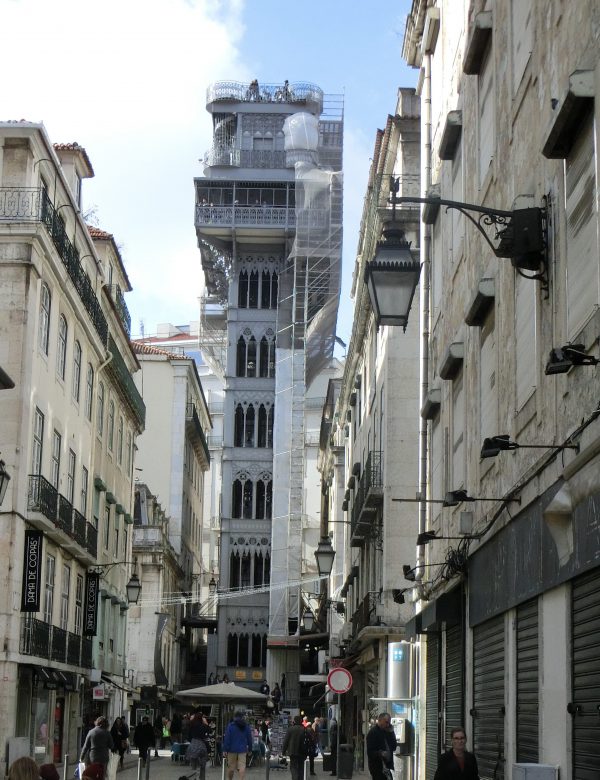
75,147
140,348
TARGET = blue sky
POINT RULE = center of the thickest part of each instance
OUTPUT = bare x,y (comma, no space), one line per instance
127,79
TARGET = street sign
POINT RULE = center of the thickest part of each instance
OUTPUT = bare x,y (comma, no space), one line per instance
339,680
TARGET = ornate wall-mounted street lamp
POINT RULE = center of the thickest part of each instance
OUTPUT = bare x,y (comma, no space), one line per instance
324,555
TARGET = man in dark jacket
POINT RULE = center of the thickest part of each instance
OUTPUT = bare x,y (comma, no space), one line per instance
457,763
294,747
144,738
381,744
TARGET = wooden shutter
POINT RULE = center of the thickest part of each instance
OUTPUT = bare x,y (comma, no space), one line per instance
521,13
582,229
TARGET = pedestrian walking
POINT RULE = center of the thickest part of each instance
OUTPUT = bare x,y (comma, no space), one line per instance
294,747
176,728
144,738
333,744
457,763
98,744
310,742
237,743
120,736
197,752
381,744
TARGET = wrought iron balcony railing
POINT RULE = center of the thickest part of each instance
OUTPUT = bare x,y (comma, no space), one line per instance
59,644
301,93
368,494
35,637
64,518
86,653
192,418
70,257
247,216
79,525
73,649
366,614
20,204
43,497
119,300
91,542
131,394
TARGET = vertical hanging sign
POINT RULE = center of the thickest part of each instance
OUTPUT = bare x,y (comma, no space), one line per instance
90,614
32,571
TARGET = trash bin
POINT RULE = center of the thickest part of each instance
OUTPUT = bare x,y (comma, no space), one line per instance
345,762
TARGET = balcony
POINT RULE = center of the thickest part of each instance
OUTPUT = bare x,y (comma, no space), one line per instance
119,300
53,514
366,614
298,94
213,218
73,649
194,428
35,637
128,390
201,615
368,497
52,643
86,653
70,257
58,650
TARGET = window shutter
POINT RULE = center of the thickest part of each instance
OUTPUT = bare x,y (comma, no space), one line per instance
488,393
486,116
525,291
582,226
458,434
521,13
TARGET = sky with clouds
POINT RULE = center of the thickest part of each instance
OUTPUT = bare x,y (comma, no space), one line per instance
127,80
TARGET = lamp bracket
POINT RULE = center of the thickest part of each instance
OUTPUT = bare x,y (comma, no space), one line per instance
520,235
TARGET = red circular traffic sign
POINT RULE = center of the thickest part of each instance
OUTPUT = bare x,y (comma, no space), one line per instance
339,680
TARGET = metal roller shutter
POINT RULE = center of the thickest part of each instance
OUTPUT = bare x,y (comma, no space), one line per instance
455,684
527,732
432,707
488,698
585,704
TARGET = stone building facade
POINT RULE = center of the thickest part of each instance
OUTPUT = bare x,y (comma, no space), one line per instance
67,434
509,606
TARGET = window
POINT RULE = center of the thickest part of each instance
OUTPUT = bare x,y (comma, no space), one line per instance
49,592
128,451
457,220
76,370
525,327
84,490
522,39
248,290
100,410
64,597
55,463
79,605
106,526
582,228
458,433
269,290
120,441
267,357
71,477
437,466
488,389
38,442
61,353
246,355
89,392
45,305
111,425
485,81
116,550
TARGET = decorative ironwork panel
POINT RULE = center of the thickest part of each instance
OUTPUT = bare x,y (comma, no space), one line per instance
43,497
73,648
192,416
91,544
257,216
262,158
35,637
65,515
123,311
79,524
20,204
122,374
299,92
59,644
86,652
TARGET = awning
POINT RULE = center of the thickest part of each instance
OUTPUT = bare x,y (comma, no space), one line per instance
54,679
446,609
121,686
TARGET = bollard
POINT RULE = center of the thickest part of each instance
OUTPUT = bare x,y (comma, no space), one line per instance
223,762
148,767
267,763
65,766
139,767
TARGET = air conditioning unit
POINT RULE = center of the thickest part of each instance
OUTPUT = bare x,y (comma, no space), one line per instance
534,772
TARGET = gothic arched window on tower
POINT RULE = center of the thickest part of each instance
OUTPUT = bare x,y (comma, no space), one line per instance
253,290
245,571
234,570
249,427
269,290
243,290
256,650
232,650
246,355
267,357
238,426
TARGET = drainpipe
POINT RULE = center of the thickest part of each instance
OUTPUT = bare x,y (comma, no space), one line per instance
424,305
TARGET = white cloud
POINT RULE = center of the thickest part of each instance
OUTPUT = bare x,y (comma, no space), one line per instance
127,79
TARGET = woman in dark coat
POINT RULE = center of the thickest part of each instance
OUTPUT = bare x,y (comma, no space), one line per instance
197,752
457,763
120,737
